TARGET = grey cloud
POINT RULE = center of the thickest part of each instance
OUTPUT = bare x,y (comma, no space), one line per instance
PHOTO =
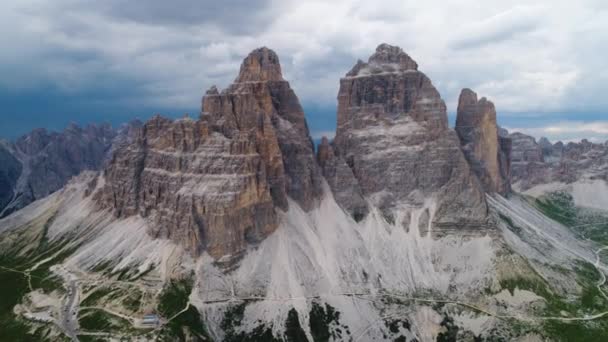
230,16
161,53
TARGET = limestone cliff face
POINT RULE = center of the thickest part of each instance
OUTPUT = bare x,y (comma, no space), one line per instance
484,149
261,100
215,184
340,176
393,135
41,162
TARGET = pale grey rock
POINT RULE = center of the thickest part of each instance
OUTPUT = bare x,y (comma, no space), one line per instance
542,163
392,133
340,176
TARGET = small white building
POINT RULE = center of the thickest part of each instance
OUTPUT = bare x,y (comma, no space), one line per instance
150,320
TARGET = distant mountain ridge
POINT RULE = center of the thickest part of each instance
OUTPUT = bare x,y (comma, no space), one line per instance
542,162
41,162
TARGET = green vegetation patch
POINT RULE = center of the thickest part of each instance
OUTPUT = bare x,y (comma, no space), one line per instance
588,331
588,223
232,319
512,226
293,329
531,284
101,321
320,321
174,296
449,331
14,283
184,327
132,300
13,287
559,206
89,338
93,298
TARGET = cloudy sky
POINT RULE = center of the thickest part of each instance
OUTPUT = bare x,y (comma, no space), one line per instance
543,63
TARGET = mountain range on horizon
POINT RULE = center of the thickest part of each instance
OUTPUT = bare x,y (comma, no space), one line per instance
236,226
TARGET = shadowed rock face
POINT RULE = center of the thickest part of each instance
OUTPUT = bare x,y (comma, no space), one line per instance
393,135
340,176
10,170
215,184
485,150
47,160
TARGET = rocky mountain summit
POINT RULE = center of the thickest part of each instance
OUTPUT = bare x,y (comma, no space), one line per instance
393,146
543,162
487,152
42,162
216,183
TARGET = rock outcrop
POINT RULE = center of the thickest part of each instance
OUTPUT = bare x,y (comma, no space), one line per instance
215,184
42,162
10,170
261,100
527,162
542,162
486,151
392,134
340,176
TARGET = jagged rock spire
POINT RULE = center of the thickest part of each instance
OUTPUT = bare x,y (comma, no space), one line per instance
261,65
486,151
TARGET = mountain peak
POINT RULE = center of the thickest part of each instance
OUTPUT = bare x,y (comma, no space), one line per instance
467,97
260,65
386,59
390,54
487,152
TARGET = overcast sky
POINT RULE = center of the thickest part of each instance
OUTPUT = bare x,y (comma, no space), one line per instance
542,63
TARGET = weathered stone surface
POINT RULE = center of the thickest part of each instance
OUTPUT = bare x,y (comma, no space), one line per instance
543,162
393,134
199,188
50,159
340,176
214,184
269,105
10,170
527,161
486,152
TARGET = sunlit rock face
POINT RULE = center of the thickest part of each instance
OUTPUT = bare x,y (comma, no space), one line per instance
487,152
393,135
215,184
262,101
